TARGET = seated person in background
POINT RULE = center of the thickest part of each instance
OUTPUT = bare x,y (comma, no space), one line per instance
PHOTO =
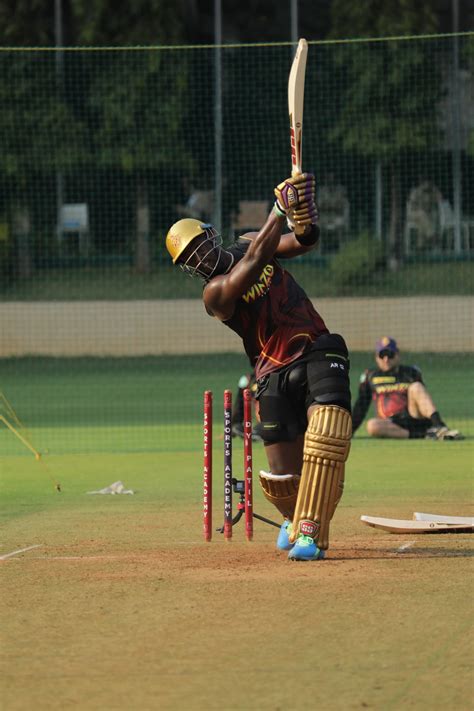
404,408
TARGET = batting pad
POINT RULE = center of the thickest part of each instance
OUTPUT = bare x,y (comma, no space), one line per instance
326,448
281,491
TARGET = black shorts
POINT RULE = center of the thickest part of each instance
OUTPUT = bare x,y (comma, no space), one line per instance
320,376
416,426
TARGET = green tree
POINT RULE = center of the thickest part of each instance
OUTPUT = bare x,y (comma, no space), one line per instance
39,135
121,23
104,110
383,114
135,99
469,57
31,23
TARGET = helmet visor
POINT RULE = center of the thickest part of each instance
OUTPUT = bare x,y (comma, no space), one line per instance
204,254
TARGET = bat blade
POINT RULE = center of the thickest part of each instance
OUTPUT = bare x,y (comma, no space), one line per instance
393,525
296,103
437,518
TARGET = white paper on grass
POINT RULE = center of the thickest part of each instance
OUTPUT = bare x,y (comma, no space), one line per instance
116,488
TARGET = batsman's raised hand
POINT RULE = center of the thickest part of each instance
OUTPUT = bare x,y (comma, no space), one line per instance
294,192
303,217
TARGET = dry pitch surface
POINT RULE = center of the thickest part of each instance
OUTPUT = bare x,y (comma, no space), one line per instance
118,612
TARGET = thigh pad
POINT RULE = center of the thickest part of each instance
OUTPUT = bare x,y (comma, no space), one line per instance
328,373
282,416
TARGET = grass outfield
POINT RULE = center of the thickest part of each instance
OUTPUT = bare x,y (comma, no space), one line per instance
85,405
122,605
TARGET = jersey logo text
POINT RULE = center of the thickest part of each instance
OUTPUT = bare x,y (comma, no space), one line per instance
262,286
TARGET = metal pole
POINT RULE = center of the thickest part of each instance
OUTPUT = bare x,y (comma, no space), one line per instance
217,217
456,154
58,34
59,59
378,200
294,21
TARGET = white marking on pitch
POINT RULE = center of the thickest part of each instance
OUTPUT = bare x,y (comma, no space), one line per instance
405,546
20,550
82,557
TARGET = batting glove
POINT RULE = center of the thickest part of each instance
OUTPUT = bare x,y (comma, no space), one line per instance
302,217
294,192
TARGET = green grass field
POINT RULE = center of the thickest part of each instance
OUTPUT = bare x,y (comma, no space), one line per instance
122,605
85,405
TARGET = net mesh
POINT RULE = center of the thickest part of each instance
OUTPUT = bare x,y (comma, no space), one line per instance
105,346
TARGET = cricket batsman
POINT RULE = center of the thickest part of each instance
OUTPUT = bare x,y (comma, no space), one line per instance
302,370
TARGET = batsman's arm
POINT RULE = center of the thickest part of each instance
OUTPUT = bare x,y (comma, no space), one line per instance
294,198
222,292
292,245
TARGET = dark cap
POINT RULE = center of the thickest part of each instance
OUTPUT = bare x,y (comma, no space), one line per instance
386,343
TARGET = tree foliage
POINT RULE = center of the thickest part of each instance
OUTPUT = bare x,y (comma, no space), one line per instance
380,98
383,114
31,23
135,98
108,111
41,128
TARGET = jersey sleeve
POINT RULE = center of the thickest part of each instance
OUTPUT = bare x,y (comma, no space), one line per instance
411,374
363,401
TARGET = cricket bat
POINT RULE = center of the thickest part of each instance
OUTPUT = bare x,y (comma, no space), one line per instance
295,105
438,518
394,525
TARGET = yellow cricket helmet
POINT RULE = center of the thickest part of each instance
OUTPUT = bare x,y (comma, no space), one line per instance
181,234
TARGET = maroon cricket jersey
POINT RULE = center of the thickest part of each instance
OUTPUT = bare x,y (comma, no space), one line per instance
275,319
387,389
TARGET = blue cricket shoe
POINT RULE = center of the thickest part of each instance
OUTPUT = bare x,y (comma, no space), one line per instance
283,540
305,548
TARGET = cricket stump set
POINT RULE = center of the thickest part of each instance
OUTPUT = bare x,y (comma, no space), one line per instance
243,487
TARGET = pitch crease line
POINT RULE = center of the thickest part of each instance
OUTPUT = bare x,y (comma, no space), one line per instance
20,550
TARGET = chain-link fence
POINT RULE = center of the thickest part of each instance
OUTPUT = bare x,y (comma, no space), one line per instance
102,149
